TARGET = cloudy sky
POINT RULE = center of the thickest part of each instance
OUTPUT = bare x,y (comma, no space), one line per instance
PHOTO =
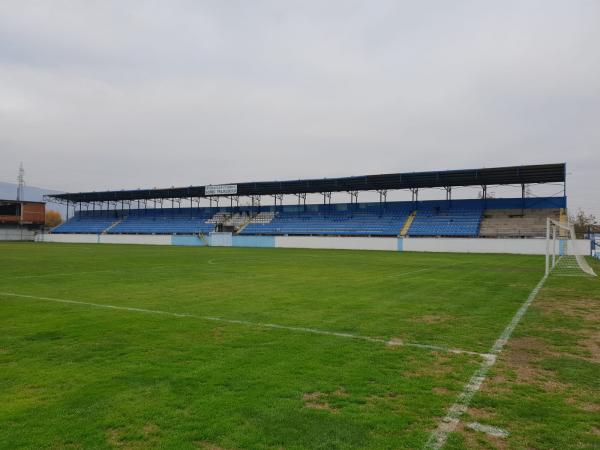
122,94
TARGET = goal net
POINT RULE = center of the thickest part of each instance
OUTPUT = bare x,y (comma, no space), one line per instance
565,256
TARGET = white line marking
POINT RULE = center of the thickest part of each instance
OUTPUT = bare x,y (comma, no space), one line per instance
59,274
411,272
254,324
445,266
68,274
127,270
488,429
448,424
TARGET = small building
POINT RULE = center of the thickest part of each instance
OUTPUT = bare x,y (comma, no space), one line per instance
21,220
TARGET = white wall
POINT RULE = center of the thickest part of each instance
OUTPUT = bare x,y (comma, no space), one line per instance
345,243
147,239
479,245
16,234
459,245
71,238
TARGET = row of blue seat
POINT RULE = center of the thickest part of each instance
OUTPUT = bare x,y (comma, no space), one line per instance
362,223
358,219
458,222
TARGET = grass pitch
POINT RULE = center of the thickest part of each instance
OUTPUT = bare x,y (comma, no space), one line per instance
107,346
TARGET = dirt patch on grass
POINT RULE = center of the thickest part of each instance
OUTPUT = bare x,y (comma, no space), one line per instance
217,334
441,391
526,348
113,437
591,342
319,405
321,400
586,309
317,400
480,414
587,333
341,393
310,396
590,407
204,445
441,367
522,355
116,437
498,378
432,318
150,429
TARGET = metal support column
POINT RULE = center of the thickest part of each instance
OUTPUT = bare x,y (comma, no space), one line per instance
382,200
415,196
301,197
278,197
326,197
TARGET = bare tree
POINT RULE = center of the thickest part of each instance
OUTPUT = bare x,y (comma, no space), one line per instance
583,222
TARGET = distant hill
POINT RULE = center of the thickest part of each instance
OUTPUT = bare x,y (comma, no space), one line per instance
8,191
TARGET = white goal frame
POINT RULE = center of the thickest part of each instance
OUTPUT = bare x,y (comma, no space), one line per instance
561,251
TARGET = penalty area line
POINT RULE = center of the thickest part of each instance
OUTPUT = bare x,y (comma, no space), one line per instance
439,436
392,342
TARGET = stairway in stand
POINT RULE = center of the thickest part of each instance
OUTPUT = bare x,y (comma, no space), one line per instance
112,225
408,223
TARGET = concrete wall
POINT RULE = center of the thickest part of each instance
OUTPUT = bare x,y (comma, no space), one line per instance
466,245
16,234
345,243
220,239
253,241
147,239
70,238
459,245
106,239
188,241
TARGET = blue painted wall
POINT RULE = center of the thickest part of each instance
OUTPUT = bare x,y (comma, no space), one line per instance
253,241
188,241
220,239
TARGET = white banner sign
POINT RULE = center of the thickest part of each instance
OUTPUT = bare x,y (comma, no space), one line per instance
220,189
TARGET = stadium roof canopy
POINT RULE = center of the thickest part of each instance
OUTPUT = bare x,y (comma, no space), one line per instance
514,175
3,200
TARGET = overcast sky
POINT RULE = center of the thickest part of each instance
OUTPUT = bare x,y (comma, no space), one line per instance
122,94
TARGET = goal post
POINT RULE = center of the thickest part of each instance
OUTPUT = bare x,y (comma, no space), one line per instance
563,254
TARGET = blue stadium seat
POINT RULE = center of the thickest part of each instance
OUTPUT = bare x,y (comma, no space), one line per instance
362,219
433,220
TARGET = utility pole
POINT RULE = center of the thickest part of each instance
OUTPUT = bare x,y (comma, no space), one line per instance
21,183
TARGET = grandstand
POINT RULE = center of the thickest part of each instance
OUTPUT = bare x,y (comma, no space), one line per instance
485,217
461,218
